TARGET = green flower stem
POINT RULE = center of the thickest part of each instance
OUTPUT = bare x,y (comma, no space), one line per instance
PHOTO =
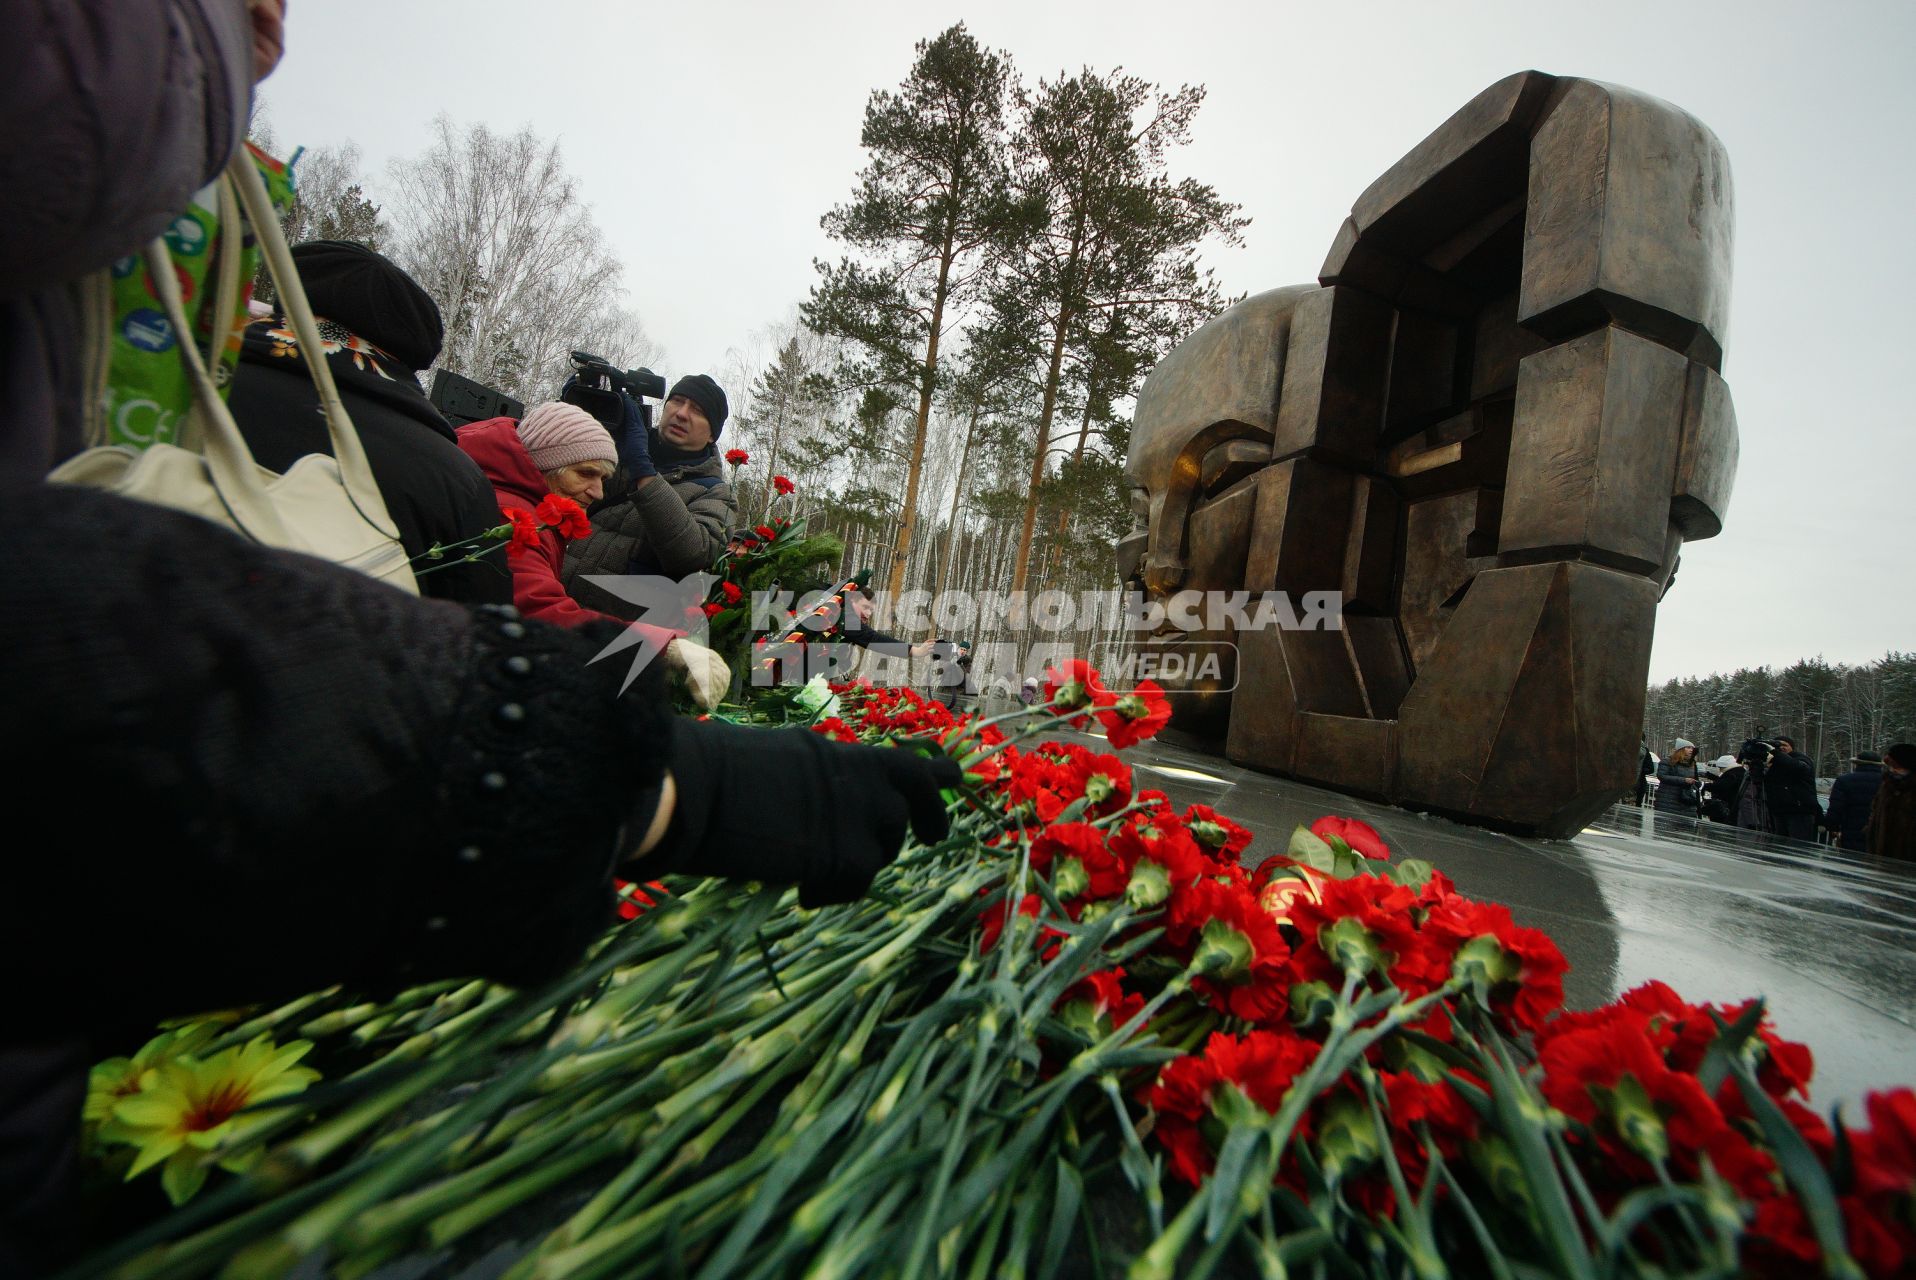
409,1211
1159,1261
845,1256
1418,1243
196,1255
655,1143
870,1162
984,1042
278,1254
294,1160
615,1244
371,1029
338,1020
268,1021
1520,1116
1151,1188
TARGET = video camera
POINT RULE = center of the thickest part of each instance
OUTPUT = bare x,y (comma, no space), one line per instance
1756,751
595,386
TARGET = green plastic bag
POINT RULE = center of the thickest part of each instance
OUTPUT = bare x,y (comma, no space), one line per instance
148,391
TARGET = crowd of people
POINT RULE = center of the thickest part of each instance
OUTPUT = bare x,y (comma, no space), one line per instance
1768,786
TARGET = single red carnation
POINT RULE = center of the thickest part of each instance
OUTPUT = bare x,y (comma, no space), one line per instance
784,484
1075,686
1260,1067
525,531
1216,832
1530,992
1099,1005
556,511
765,531
731,592
737,457
1381,909
1135,716
1360,836
712,608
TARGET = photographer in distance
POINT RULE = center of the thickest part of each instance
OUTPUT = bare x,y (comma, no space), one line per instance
669,511
1789,790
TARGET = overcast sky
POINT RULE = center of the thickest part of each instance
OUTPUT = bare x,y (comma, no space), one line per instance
709,138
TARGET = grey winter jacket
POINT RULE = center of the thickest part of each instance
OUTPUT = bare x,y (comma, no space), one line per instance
673,528
1676,787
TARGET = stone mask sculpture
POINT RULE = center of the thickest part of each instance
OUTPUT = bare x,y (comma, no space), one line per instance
1490,426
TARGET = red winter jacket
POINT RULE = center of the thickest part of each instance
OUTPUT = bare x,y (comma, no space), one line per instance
494,444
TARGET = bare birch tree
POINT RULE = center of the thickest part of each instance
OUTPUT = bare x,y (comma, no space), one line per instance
495,228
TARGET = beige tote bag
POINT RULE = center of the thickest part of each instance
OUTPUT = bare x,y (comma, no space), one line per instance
323,506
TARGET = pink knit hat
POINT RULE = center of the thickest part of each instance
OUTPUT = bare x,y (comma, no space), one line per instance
558,434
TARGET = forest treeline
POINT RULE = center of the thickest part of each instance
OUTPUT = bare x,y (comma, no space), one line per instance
1831,711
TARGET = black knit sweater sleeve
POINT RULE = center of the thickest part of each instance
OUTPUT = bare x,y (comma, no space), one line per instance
254,773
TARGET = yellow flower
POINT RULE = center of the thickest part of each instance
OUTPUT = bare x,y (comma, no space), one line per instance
186,1108
116,1079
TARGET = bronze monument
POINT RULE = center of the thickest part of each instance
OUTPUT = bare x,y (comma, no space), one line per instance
1490,426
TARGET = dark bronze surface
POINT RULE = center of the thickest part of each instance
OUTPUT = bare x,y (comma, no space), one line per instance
1490,426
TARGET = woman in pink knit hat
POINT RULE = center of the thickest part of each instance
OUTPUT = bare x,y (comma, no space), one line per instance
556,448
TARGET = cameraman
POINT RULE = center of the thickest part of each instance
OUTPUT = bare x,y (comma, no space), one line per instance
670,512
1789,788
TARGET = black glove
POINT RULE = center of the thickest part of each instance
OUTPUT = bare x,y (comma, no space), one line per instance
787,805
635,450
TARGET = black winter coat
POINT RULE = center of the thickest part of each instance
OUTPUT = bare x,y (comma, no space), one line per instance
1892,818
1789,785
1850,797
436,494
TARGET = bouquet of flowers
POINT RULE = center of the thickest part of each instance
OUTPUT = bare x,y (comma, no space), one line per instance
1075,1037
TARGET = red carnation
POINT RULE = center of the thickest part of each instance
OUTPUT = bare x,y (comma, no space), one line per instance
712,608
1360,837
1137,715
1099,1005
556,511
765,531
1215,831
731,592
1075,686
525,531
783,484
1191,1091
737,457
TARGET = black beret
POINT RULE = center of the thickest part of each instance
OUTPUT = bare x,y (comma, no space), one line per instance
365,291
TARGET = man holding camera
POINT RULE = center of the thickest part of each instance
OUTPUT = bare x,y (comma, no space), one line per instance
1789,789
671,512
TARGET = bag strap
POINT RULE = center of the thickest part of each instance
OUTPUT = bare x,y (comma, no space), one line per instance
224,449
355,471
224,281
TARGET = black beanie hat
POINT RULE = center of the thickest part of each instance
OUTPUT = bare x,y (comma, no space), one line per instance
705,393
351,285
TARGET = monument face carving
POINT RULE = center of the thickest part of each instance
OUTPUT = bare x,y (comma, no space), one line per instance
1490,426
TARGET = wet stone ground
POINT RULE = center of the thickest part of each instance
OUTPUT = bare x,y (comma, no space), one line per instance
1828,938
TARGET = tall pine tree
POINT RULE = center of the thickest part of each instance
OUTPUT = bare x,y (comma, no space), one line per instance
1108,251
920,226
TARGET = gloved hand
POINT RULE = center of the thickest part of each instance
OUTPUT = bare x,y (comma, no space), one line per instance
706,676
635,451
786,805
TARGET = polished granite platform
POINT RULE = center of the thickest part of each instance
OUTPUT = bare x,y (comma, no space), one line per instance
1829,938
